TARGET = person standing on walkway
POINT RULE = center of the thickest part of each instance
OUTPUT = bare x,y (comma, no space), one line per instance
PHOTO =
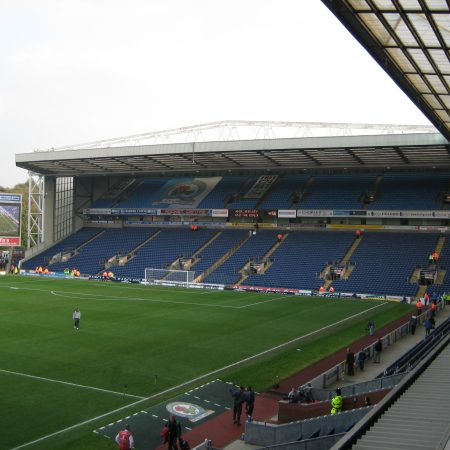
377,349
428,324
419,306
371,327
336,402
362,356
249,401
413,324
238,400
173,427
350,360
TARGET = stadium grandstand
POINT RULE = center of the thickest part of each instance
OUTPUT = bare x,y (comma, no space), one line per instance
344,210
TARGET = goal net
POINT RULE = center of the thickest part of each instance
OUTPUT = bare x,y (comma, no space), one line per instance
168,277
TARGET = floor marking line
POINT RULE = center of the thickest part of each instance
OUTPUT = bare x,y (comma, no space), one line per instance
194,380
69,384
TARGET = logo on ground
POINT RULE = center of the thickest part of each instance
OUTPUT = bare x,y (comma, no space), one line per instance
188,410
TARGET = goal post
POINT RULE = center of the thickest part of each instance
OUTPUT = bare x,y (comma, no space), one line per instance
168,277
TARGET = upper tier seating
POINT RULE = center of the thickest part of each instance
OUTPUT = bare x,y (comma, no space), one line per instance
163,250
145,194
406,191
241,202
384,263
218,197
301,256
66,245
92,257
255,247
337,191
280,195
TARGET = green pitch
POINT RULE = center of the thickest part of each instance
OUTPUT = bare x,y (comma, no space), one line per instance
138,344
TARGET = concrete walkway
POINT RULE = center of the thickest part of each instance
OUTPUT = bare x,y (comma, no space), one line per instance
388,356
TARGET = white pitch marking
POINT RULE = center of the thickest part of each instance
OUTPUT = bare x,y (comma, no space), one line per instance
81,296
264,301
145,412
51,380
77,296
156,417
193,380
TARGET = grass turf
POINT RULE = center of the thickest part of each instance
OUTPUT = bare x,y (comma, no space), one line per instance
141,341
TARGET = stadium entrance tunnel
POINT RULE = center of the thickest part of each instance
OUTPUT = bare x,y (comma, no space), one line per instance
190,409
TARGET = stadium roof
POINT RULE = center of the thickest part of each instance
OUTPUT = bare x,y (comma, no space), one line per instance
410,40
401,151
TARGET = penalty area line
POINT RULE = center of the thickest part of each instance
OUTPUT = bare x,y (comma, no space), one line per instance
197,379
67,383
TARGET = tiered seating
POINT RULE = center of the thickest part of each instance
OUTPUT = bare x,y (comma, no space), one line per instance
279,197
411,191
301,256
218,196
444,263
163,250
337,192
91,258
385,262
245,202
227,240
145,194
256,247
70,243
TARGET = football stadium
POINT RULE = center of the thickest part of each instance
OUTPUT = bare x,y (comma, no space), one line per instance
166,270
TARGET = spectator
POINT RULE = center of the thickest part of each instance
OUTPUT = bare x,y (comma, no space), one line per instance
164,433
377,349
419,306
173,427
292,396
433,308
238,400
336,402
428,326
371,327
124,439
413,324
362,356
350,360
249,401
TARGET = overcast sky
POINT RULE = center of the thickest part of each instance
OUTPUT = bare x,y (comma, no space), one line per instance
73,71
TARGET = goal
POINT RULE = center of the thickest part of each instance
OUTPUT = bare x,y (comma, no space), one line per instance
168,277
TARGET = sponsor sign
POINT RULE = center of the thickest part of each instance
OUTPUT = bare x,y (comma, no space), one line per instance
314,212
287,213
219,212
189,411
185,212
